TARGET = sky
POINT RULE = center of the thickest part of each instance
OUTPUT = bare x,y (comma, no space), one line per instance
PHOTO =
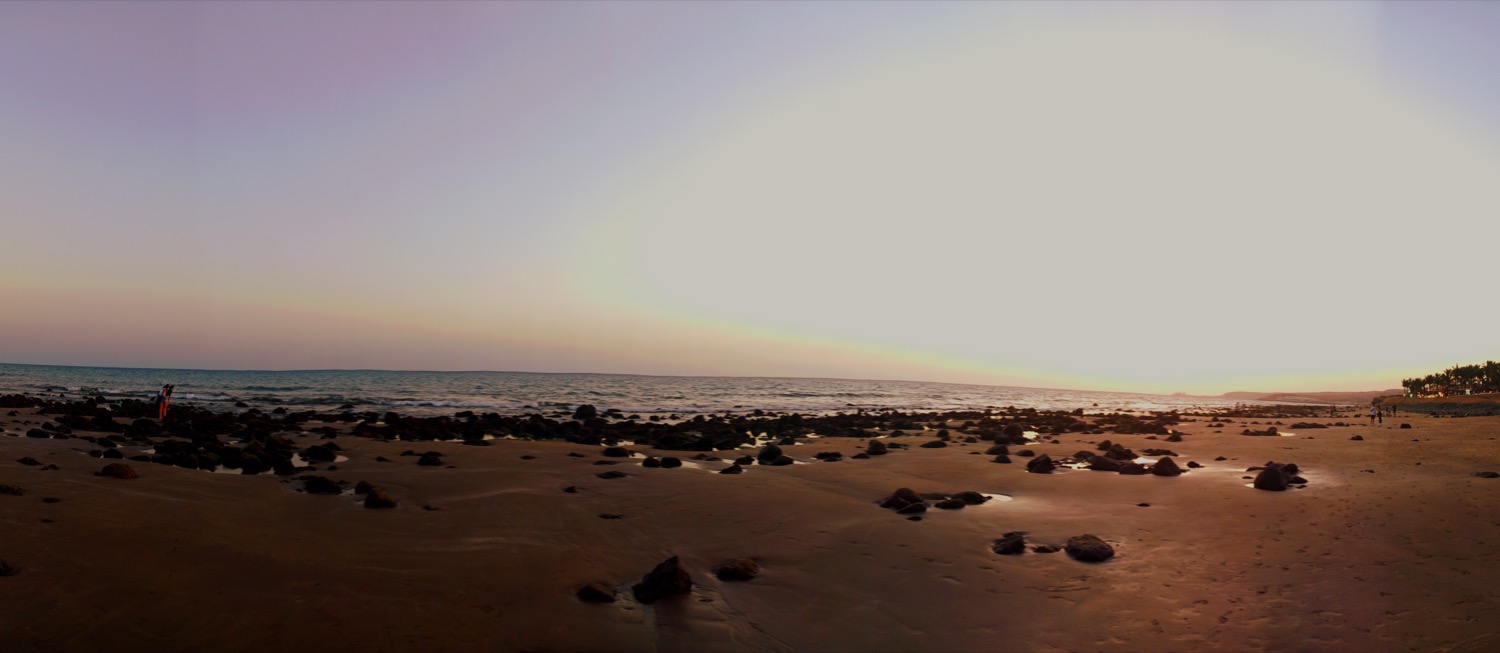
1154,197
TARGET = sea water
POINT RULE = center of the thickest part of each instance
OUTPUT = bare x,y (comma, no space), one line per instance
440,393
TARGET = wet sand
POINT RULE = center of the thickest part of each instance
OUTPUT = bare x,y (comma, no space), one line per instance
1402,557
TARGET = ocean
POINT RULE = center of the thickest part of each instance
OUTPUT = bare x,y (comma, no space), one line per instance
444,393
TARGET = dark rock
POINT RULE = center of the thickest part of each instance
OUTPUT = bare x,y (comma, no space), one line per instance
738,569
934,444
901,498
1403,425
319,454
382,459
1166,467
586,412
951,504
615,452
912,509
1271,479
377,497
596,592
733,469
875,448
971,497
1041,465
1105,464
429,459
672,462
781,461
997,450
611,515
1002,458
1045,548
1025,453
611,474
113,453
1133,469
667,579
1010,544
745,460
651,461
118,470
1357,437
1487,474
50,468
769,454
12,490
1088,548
860,456
320,485
28,460
1193,464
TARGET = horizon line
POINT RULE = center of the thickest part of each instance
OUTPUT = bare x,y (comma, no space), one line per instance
678,376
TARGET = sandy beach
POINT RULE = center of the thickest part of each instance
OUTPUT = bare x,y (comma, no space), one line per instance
1390,546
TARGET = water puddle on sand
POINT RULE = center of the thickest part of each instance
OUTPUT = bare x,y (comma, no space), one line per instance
995,499
305,462
716,467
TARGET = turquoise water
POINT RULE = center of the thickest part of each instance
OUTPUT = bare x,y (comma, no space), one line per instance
432,393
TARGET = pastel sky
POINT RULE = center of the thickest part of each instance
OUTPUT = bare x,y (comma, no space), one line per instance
1118,196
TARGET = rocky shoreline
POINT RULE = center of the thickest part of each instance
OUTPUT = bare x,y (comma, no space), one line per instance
588,529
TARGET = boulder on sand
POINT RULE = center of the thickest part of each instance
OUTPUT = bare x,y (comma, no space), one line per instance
1041,465
1010,544
768,454
667,579
737,569
1089,548
596,592
1166,467
1271,479
901,498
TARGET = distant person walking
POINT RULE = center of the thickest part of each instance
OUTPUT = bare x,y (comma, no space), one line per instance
163,398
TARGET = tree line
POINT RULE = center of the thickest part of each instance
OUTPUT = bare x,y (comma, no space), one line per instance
1456,380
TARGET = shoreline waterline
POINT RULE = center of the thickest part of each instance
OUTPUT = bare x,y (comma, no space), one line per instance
436,393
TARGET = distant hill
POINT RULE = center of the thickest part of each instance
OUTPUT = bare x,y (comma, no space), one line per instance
1315,397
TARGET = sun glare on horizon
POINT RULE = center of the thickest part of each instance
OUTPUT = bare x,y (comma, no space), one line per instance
1148,204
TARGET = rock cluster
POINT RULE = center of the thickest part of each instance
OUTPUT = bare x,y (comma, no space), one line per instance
1277,477
906,501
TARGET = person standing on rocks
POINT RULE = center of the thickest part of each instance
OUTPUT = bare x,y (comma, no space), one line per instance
162,399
